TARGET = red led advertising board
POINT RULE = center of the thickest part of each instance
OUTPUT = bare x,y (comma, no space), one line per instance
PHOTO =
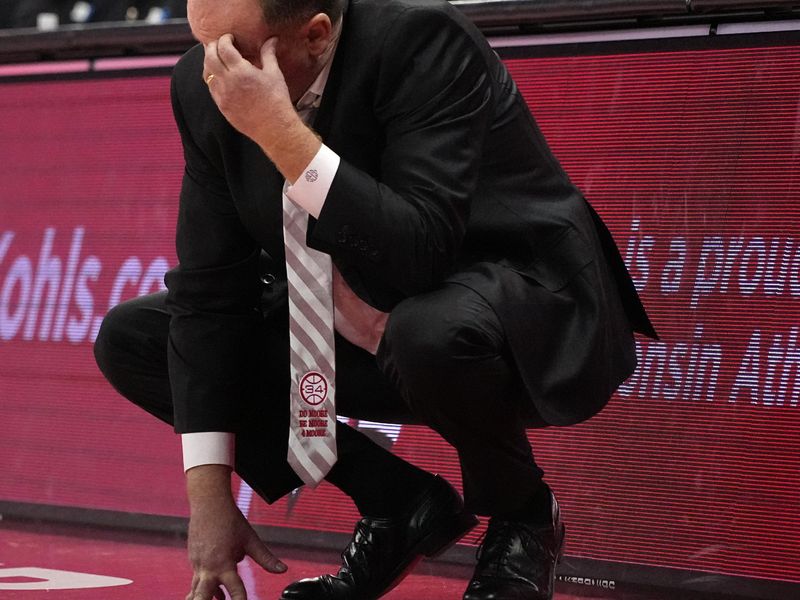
691,157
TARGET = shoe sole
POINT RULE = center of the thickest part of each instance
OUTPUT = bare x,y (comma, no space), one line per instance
434,545
439,542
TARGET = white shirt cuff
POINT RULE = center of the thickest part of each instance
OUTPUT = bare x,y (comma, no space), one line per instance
207,448
312,187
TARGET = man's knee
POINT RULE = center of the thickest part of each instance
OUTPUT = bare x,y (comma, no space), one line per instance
133,335
111,340
131,351
446,353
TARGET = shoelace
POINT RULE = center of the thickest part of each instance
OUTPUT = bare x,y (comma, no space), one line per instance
489,551
496,541
357,549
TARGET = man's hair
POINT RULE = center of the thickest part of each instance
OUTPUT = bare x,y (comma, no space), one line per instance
283,12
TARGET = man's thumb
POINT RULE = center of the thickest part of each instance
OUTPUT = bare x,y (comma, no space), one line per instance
268,50
258,551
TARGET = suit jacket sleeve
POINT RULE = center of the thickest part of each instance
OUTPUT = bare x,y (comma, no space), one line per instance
403,228
214,292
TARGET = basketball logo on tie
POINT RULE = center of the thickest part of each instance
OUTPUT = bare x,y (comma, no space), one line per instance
313,388
316,421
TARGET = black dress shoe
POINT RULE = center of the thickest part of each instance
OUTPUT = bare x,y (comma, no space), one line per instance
383,551
517,561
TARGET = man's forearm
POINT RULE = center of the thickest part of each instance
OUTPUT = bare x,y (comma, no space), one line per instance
208,481
292,148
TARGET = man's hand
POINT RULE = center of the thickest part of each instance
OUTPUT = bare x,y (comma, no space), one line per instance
256,101
355,320
220,537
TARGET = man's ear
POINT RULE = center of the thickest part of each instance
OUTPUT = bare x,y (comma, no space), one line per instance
318,32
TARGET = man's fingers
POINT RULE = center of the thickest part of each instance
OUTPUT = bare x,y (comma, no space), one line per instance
227,52
259,552
213,63
195,580
206,589
233,583
219,594
220,56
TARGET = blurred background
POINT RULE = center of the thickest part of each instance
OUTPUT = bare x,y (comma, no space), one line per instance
679,120
46,15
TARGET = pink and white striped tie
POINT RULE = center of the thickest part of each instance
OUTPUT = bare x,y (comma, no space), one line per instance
312,421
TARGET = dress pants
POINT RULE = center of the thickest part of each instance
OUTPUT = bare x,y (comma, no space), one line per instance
442,362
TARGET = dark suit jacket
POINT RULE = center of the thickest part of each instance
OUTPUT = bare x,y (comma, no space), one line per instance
444,176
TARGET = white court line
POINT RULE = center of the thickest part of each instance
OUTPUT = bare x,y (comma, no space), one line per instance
52,579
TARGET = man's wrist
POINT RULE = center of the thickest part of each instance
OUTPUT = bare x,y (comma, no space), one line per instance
311,190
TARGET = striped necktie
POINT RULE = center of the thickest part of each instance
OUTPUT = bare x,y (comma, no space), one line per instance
312,426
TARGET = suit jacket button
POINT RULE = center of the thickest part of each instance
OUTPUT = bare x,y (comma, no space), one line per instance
344,234
268,279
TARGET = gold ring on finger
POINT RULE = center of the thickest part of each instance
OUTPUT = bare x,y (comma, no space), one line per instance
209,79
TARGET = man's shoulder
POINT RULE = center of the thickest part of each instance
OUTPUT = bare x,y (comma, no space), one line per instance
383,12
191,61
374,21
189,68
190,93
434,5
